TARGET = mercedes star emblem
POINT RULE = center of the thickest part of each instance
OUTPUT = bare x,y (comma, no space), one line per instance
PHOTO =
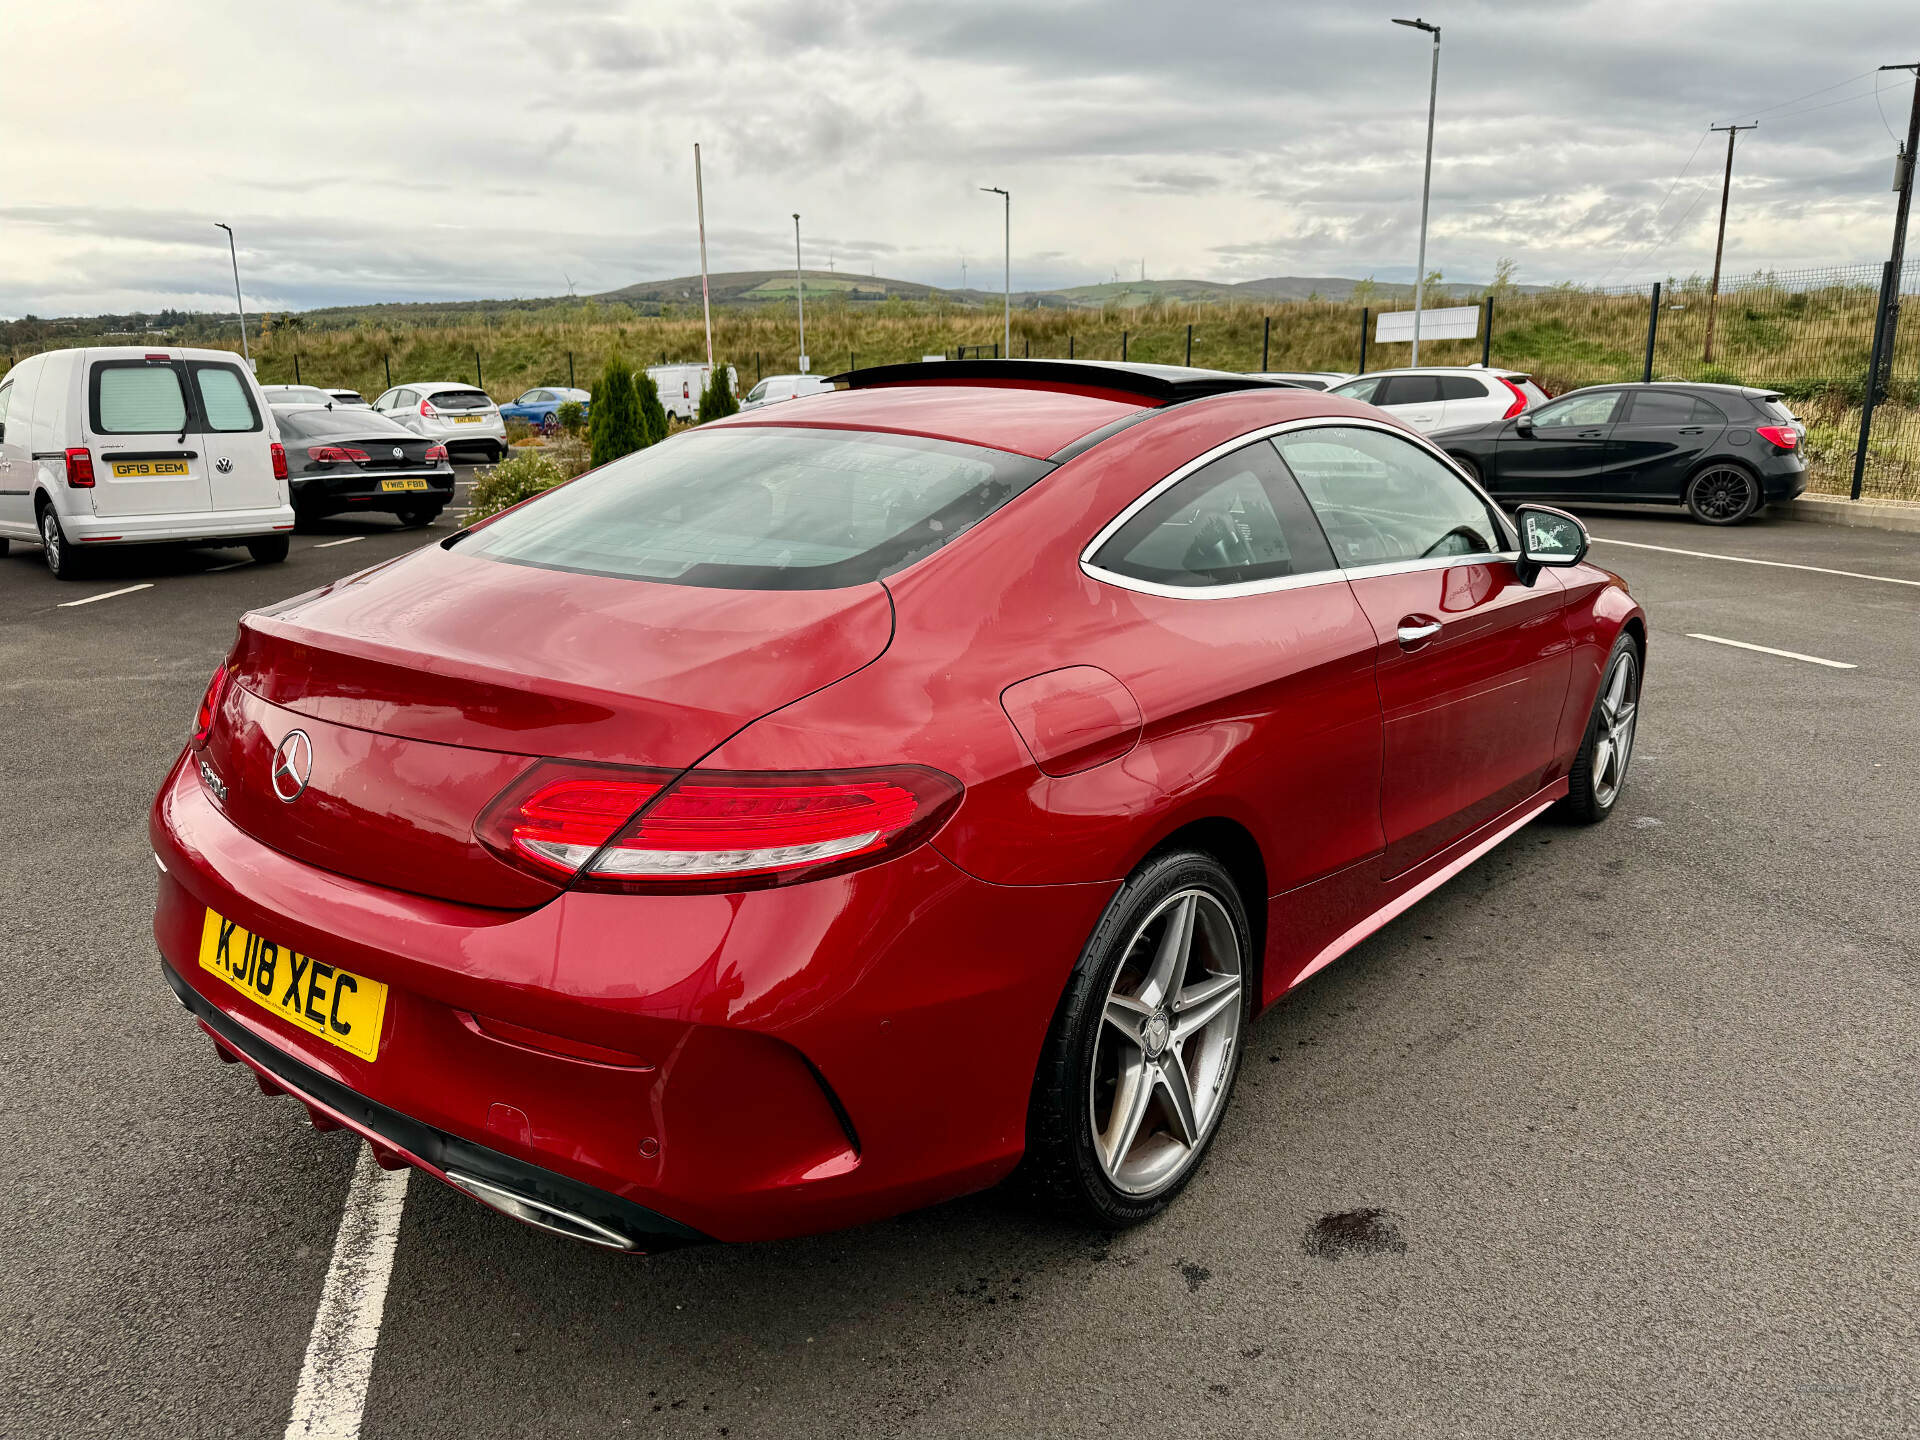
292,765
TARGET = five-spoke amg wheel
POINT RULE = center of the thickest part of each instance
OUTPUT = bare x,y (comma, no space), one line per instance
1722,495
1145,1046
1600,769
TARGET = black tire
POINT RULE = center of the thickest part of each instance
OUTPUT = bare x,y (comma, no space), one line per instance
1723,493
269,551
1597,777
1472,469
418,517
1062,1170
499,453
63,561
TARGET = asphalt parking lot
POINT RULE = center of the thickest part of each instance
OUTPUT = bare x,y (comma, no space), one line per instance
1614,1135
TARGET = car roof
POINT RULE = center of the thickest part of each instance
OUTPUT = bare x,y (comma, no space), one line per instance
1448,370
1712,387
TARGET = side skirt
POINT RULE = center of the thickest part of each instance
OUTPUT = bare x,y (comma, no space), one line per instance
1417,884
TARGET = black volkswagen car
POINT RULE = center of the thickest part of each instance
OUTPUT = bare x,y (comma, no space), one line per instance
1723,451
352,459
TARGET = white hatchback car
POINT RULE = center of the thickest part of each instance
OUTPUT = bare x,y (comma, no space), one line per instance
279,396
775,388
121,445
457,415
1434,397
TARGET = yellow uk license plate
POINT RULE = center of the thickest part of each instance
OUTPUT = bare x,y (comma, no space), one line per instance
466,419
413,484
340,1007
148,469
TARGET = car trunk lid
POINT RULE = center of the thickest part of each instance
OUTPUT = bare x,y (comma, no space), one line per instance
425,686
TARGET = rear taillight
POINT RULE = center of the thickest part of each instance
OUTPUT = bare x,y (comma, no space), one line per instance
279,460
710,830
209,707
332,454
435,454
427,411
1785,436
1519,398
80,468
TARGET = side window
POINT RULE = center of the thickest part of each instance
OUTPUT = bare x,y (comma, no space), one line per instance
1461,387
1705,412
540,397
758,392
1577,410
6,400
1362,390
224,399
1409,390
1237,520
135,398
1660,407
402,400
1382,499
384,402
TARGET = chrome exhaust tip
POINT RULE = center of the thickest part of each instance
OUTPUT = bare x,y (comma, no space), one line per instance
542,1215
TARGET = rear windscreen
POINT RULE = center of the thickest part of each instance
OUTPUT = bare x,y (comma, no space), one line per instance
460,399
764,509
315,424
135,398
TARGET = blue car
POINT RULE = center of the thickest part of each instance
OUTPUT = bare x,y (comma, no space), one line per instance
540,406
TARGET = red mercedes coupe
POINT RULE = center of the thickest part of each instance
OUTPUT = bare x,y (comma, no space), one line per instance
849,805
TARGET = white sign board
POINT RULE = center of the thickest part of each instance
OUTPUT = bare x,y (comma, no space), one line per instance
806,365
1461,322
929,359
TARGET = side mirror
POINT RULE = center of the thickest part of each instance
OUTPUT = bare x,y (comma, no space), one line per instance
1548,537
1523,423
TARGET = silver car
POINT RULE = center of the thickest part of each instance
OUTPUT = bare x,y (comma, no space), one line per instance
456,414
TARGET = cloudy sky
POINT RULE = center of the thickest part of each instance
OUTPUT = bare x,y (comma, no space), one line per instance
386,149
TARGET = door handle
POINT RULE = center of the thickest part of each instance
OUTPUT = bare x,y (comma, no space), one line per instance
1416,630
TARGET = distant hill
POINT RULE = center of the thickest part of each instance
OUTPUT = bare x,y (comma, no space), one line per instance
749,287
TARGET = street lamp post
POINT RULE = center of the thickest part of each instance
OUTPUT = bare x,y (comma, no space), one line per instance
1426,184
800,289
1007,276
239,304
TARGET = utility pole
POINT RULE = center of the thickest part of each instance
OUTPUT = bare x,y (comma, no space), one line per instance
1726,186
1426,184
800,289
1890,302
706,302
1007,280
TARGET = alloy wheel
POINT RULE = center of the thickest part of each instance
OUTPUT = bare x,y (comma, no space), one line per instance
1618,709
1723,493
50,539
1165,1050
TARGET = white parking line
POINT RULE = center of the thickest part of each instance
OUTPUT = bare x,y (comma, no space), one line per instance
105,595
332,1395
1747,560
1769,650
329,544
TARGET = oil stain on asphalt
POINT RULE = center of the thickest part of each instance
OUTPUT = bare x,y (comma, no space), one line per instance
1354,1232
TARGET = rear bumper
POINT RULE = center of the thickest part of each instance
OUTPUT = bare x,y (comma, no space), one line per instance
1784,479
772,1063
490,429
204,527
360,490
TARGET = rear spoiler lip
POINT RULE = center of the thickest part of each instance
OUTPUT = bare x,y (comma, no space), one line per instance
1156,384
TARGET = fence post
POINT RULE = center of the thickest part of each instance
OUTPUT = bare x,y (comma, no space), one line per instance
1026,347
1486,338
1888,280
1069,345
479,380
851,361
1266,339
1189,344
386,364
1123,346
570,384
296,367
1363,339
996,349
1653,329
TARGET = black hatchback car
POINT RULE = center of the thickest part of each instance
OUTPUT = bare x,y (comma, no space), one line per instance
1723,451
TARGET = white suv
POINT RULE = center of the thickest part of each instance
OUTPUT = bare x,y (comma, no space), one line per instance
457,415
121,445
1437,396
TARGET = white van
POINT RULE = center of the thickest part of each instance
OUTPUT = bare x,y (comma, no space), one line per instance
682,385
120,445
775,388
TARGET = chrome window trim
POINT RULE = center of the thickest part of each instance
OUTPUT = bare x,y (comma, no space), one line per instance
1337,575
